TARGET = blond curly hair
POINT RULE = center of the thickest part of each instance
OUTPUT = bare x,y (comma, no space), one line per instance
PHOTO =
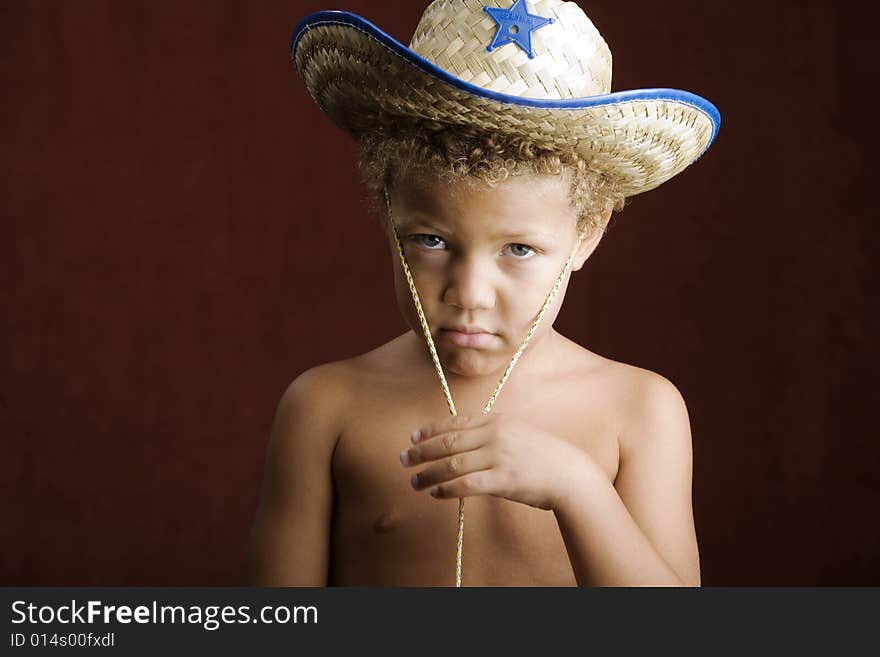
454,154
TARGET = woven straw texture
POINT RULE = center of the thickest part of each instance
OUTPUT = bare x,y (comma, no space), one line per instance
362,84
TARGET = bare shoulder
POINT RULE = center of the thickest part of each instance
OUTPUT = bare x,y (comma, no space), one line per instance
642,390
330,386
384,363
643,400
309,416
651,407
629,380
326,383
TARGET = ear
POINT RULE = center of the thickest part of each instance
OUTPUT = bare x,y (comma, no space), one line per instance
588,245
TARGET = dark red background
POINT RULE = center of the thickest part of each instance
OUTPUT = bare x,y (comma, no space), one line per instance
182,235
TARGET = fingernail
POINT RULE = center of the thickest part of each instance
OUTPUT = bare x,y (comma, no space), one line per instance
415,435
435,491
414,480
404,457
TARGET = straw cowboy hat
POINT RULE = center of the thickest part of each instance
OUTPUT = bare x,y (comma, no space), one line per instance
531,68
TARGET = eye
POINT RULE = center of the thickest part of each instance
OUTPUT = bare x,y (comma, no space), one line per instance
523,246
428,241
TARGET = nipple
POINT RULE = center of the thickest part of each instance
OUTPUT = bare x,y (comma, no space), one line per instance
385,523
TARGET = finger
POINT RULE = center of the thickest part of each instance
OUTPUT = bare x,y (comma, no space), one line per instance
474,483
450,423
451,468
443,445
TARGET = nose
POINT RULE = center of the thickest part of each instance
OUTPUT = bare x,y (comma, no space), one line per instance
470,285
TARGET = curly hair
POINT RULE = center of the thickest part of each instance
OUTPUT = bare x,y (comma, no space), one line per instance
454,154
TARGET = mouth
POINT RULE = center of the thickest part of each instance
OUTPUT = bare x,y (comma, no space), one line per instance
474,340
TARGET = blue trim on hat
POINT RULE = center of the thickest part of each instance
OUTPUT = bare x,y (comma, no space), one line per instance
616,98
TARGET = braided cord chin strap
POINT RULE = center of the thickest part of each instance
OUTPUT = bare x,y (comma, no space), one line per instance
427,331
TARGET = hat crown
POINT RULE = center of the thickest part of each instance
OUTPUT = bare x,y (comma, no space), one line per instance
570,59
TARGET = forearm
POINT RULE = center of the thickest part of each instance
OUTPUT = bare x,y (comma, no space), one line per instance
605,545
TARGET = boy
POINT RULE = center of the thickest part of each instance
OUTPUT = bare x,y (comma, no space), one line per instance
496,155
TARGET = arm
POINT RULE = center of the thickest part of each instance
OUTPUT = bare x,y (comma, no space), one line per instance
640,530
289,541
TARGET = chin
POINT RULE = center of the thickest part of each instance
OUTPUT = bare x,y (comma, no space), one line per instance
466,362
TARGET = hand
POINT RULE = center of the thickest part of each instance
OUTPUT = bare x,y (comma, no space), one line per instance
497,455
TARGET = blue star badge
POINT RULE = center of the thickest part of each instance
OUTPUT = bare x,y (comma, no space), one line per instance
515,25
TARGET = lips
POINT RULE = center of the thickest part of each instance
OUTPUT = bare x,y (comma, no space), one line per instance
474,340
462,328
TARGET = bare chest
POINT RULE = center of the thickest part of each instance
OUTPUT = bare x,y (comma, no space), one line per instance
386,533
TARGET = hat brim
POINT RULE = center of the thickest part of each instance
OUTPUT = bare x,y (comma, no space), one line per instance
362,78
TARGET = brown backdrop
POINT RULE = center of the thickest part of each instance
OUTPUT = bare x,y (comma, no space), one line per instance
182,235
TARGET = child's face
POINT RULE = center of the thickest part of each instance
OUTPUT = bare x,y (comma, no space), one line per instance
487,258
